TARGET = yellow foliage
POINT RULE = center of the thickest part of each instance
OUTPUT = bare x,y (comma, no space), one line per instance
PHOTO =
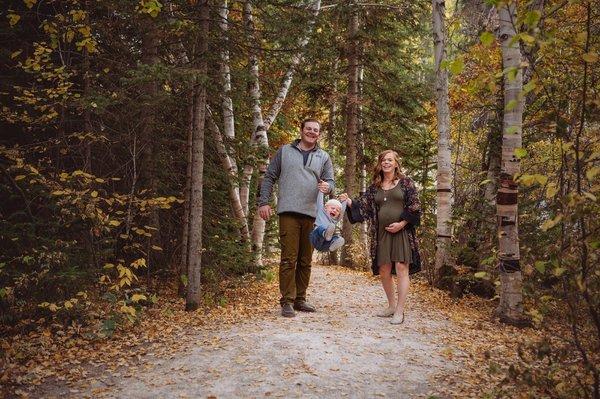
128,310
13,19
138,297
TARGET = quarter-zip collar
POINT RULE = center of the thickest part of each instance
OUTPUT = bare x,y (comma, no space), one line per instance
296,143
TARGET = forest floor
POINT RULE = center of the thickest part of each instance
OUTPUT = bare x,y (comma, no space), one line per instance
446,348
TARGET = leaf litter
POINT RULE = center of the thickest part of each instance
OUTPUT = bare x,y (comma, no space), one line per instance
447,347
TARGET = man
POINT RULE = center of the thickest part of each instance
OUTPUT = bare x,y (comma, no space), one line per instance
295,165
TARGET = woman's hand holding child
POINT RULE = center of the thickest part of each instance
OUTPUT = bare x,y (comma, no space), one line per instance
344,197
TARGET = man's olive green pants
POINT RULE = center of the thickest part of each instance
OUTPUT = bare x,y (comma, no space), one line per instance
296,255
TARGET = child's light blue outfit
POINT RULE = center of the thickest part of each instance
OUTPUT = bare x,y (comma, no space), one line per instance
322,222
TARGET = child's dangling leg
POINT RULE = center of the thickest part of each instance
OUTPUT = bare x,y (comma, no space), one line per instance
328,233
336,243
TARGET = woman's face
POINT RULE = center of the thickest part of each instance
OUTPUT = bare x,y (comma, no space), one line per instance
388,163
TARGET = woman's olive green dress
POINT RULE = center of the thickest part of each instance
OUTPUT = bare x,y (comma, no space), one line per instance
392,247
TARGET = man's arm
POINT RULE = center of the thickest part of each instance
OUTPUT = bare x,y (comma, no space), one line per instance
320,202
327,174
271,176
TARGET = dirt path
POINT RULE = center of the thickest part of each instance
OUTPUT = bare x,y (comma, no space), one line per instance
343,350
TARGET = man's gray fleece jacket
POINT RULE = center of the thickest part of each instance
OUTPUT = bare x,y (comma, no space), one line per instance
297,182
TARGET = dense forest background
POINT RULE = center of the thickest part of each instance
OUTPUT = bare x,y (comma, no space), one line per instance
134,135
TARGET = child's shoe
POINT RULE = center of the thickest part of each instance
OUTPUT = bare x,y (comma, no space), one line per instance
329,232
337,243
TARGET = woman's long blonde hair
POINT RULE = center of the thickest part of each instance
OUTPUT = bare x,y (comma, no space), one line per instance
378,173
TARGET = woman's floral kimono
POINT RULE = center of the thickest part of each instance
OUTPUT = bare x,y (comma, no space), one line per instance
364,209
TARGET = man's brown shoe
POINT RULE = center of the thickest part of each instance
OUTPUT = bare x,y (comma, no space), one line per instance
304,307
287,310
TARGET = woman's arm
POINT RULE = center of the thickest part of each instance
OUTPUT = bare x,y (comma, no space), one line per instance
359,209
353,212
412,203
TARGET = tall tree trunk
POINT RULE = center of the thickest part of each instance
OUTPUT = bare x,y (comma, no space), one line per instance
364,229
226,102
333,257
259,139
229,164
194,254
352,100
494,152
510,308
87,115
444,165
148,138
183,264
230,167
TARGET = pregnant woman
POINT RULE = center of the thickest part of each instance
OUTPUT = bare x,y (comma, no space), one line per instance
392,210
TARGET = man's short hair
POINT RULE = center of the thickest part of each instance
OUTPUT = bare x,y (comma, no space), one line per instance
309,120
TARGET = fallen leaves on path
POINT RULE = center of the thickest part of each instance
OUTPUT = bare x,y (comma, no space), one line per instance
483,350
67,357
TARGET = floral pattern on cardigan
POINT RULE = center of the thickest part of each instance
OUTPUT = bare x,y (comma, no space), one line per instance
364,209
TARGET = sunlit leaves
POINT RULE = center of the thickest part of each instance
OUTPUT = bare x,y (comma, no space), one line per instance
487,38
527,38
150,7
481,275
511,105
551,190
531,85
130,310
591,173
511,73
520,153
550,223
532,18
540,266
590,57
13,19
530,180
138,297
457,66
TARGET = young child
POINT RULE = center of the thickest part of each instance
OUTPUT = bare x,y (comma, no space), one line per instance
322,237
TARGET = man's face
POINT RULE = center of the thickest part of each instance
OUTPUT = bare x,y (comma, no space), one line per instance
332,210
310,133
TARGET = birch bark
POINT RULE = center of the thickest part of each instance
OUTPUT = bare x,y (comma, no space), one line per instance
230,167
444,165
228,161
510,308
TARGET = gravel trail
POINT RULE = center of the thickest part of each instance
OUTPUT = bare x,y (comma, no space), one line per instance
342,350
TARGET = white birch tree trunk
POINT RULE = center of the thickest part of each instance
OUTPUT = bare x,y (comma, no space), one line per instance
364,228
224,151
444,197
194,254
230,167
259,140
226,102
510,308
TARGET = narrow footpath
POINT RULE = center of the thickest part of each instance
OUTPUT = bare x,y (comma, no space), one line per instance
341,351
